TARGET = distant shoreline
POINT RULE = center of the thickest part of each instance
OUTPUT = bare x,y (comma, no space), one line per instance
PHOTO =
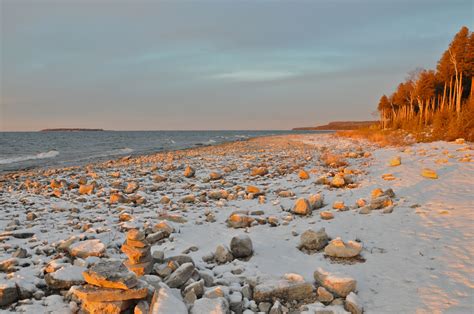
338,125
71,130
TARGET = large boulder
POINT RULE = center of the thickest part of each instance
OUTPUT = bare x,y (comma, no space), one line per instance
241,246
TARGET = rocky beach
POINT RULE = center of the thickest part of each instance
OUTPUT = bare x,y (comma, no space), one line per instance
311,223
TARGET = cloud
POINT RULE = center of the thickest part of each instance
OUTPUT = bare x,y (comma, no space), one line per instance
254,76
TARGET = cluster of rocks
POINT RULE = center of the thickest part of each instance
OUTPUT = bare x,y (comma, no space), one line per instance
314,241
244,183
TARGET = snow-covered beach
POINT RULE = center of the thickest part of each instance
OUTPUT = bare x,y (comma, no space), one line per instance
417,247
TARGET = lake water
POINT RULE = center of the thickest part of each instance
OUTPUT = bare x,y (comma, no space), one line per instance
25,150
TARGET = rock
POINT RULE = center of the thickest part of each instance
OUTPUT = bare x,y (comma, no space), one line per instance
313,240
316,201
136,254
215,176
324,295
338,181
276,308
339,205
110,274
303,175
86,189
131,187
282,289
325,215
337,248
180,276
117,198
159,178
396,161
376,193
264,307
216,292
140,269
223,255
125,217
157,236
237,220
87,248
286,194
301,207
217,195
8,293
90,293
65,277
142,307
189,172
241,246
165,301
337,284
20,253
429,173
365,210
188,198
361,202
8,265
164,226
352,304
197,287
381,202
113,307
165,200
253,189
260,171
388,209
31,216
215,306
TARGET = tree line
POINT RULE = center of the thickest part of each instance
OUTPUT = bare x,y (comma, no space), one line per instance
440,100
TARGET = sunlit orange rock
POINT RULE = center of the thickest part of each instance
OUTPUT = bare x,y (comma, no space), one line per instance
429,173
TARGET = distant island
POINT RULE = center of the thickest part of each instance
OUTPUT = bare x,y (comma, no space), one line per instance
70,130
339,125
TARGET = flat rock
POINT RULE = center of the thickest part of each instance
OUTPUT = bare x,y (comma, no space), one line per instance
98,294
65,277
282,289
113,307
110,274
335,283
87,248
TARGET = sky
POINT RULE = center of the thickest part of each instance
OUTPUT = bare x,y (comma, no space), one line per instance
205,65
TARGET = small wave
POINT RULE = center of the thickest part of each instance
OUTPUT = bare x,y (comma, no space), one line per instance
43,155
121,151
211,141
